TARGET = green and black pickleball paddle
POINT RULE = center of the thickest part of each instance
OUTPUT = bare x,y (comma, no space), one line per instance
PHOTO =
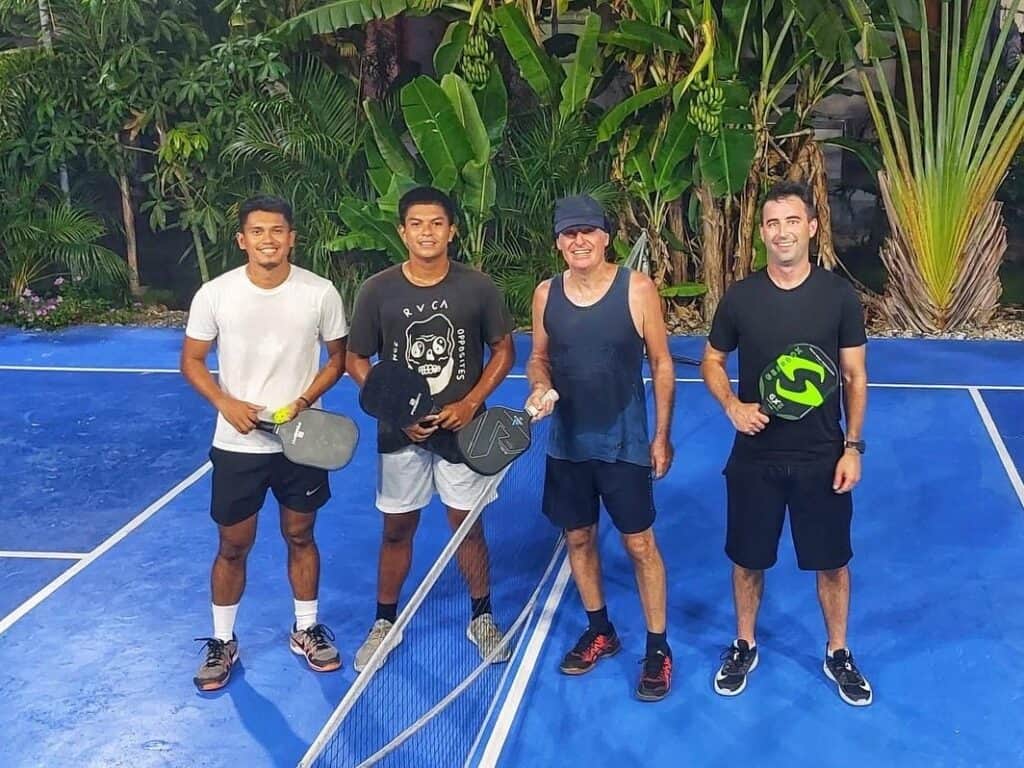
797,381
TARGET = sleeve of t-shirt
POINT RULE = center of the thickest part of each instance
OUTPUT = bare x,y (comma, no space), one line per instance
364,333
851,320
202,325
333,323
497,319
724,336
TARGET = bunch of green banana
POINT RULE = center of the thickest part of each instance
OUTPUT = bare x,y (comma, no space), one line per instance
706,109
477,56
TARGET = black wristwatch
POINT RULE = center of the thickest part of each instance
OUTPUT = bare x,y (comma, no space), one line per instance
859,445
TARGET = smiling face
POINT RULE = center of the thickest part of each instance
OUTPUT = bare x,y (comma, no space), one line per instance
582,247
267,239
426,231
787,231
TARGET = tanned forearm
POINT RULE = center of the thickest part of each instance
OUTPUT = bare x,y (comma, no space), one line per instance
358,367
198,375
855,391
716,379
664,377
327,376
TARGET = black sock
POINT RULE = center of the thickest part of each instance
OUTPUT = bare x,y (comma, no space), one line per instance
658,641
481,605
388,611
599,620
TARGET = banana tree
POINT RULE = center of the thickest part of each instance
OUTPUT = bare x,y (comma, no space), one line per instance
457,134
944,158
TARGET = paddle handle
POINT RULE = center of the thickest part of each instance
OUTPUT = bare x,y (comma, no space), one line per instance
551,396
266,426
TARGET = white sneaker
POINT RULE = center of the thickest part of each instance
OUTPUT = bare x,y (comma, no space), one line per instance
379,630
485,635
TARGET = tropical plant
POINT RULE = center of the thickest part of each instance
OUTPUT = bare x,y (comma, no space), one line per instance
44,237
944,156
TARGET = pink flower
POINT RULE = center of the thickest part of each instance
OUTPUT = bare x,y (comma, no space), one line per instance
59,281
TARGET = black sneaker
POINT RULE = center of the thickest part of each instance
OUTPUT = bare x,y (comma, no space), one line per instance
852,687
215,671
590,647
738,661
656,678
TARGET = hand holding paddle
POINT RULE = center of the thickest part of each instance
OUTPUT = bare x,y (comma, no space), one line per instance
499,435
243,416
316,438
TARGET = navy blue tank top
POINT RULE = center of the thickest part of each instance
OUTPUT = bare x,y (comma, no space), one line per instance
596,366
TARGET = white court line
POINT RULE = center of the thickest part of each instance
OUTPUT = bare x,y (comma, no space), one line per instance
10,619
682,380
71,369
876,385
997,441
503,723
43,555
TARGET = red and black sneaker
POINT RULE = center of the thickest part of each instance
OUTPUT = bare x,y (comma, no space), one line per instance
656,677
592,646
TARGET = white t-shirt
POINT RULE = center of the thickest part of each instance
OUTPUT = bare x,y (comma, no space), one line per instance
268,342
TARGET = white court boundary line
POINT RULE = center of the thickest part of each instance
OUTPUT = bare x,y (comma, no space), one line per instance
682,380
514,696
27,555
997,441
18,613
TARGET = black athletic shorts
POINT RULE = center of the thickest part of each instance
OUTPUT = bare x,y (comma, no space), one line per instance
819,518
573,491
241,480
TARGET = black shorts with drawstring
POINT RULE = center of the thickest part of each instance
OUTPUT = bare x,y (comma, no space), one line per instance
241,480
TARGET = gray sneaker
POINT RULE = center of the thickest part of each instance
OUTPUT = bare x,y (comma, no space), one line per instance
379,630
486,636
315,644
215,671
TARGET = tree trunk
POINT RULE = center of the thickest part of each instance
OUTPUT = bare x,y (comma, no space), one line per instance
380,65
131,244
809,167
712,234
677,225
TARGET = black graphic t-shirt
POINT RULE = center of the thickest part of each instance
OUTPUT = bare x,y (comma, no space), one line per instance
439,331
762,320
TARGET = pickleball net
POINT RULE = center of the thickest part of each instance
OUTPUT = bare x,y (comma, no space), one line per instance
428,699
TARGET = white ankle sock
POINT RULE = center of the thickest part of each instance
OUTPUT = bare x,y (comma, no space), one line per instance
305,613
224,621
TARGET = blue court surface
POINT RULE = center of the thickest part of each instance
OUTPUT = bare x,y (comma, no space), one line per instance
106,545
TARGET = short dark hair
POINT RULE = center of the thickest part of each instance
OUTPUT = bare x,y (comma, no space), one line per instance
425,196
798,189
267,203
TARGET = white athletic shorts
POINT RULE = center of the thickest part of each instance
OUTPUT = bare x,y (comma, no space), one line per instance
407,479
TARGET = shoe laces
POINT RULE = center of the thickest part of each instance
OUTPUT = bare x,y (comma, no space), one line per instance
380,630
845,670
320,634
485,628
734,658
590,645
657,666
215,649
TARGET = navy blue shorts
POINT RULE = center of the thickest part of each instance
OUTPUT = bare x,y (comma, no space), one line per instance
574,490
241,480
819,518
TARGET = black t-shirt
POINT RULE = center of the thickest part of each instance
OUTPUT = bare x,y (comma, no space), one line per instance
439,331
762,320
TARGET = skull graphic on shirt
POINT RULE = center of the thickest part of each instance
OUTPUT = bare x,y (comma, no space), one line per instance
429,346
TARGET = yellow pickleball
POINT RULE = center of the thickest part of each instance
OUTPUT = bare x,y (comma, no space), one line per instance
281,415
